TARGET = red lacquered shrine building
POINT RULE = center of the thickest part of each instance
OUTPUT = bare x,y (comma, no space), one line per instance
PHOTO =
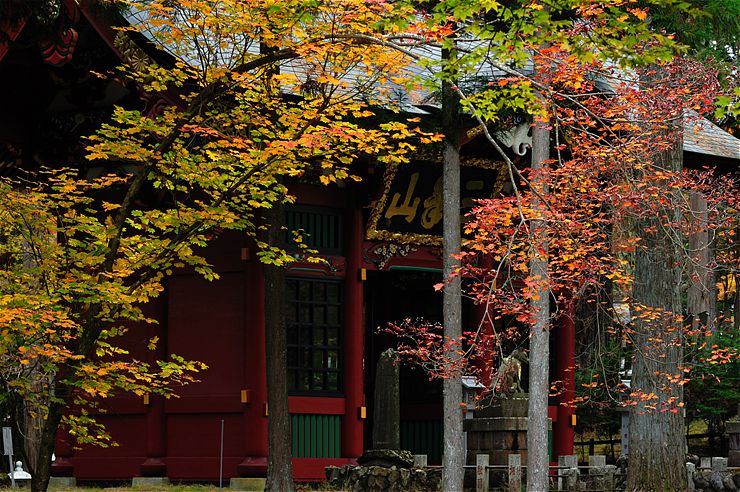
379,238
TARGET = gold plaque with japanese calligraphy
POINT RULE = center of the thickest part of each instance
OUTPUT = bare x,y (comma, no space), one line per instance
410,208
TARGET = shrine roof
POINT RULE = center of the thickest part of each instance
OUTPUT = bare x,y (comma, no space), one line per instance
701,136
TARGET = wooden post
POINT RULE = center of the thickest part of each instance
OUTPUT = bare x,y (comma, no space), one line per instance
701,293
515,472
481,473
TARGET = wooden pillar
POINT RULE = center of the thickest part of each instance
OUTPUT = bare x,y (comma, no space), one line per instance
354,335
565,339
701,295
254,393
156,431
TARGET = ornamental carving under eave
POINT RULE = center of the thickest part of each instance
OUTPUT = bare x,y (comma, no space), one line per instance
131,53
517,138
381,253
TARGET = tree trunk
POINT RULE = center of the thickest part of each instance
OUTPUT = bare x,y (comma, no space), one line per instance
45,448
32,423
657,446
279,465
539,340
453,458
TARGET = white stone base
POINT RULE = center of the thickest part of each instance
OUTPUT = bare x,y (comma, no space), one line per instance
149,482
62,482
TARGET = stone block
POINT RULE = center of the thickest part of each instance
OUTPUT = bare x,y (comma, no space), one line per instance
719,464
596,464
515,472
247,484
62,483
609,479
386,417
690,472
729,483
715,479
565,463
149,483
481,473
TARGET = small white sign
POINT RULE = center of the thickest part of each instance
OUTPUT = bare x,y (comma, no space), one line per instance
7,441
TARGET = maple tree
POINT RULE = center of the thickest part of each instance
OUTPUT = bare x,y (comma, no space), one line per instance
612,126
254,94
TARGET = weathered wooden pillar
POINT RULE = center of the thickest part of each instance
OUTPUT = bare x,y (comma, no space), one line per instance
354,335
701,296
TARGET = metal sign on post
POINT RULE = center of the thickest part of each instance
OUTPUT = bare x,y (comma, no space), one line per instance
8,451
7,441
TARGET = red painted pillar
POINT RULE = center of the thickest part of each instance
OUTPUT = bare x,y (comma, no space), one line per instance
354,335
154,465
255,382
565,336
156,432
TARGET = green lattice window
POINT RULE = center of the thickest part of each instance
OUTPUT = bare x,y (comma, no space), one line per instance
320,228
315,436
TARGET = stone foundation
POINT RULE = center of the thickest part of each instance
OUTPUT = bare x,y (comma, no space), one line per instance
247,484
380,478
149,482
62,483
709,481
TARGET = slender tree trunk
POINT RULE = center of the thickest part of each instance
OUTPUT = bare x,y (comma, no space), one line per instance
539,340
279,465
657,445
453,458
